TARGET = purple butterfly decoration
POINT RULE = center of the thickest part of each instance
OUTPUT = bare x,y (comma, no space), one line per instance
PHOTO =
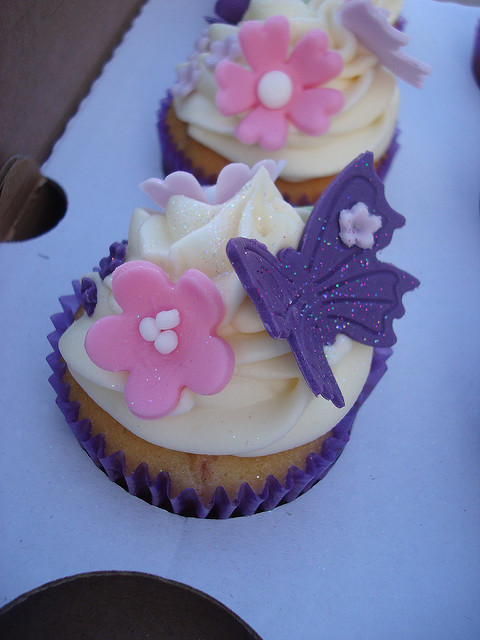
309,295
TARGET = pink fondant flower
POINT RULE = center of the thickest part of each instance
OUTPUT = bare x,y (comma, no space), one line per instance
278,90
165,338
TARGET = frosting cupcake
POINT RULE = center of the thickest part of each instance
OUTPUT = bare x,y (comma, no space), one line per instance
309,83
215,362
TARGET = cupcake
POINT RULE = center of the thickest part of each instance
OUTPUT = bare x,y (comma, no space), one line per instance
214,363
476,54
309,83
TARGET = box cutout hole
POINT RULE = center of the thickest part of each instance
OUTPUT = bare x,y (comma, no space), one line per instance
30,203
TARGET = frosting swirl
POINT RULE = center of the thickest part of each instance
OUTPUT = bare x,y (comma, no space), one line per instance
267,406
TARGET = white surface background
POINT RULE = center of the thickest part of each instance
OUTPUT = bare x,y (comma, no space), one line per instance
387,545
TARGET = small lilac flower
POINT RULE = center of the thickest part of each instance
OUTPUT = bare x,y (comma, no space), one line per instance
358,226
188,75
201,44
227,49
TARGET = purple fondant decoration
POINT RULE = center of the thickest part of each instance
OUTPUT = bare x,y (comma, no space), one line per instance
108,265
89,295
309,295
371,27
231,11
157,491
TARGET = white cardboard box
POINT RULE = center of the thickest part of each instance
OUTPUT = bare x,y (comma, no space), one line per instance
387,545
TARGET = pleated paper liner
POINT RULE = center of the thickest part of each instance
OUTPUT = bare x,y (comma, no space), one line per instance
187,503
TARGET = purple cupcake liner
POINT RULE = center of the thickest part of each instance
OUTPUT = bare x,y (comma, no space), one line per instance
173,159
187,502
476,54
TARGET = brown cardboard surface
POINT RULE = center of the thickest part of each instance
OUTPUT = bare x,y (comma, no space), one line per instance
50,53
30,203
106,605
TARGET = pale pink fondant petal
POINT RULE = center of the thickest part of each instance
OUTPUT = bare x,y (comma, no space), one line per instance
265,45
236,175
311,63
311,110
267,127
207,361
141,288
200,304
113,342
273,167
236,88
179,183
152,394
230,180
212,366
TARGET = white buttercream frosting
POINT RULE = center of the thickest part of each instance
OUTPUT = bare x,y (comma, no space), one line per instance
367,120
267,406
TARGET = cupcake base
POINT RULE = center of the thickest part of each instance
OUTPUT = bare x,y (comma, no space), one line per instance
180,152
157,488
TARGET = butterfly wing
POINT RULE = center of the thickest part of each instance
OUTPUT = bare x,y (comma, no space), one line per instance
266,282
306,342
359,295
272,290
362,301
320,246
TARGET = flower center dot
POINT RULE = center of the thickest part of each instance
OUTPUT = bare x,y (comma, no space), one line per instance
159,330
275,89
